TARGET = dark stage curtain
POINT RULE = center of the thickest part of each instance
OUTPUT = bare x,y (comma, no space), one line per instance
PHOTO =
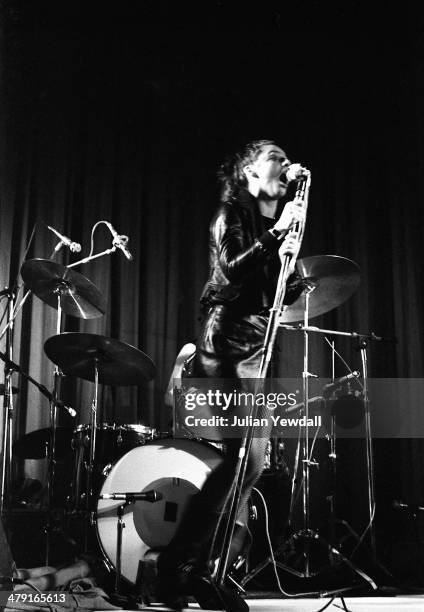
126,118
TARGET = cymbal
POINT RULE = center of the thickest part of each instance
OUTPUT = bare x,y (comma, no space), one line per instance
14,389
118,363
34,445
333,280
79,296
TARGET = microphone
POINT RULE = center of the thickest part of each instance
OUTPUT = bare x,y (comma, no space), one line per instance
295,172
300,406
74,247
149,496
340,381
69,409
120,241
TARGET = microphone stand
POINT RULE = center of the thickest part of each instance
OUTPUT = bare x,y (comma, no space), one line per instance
302,193
11,367
19,306
6,462
247,439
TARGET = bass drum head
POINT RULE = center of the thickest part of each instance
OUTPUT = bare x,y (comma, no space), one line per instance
175,468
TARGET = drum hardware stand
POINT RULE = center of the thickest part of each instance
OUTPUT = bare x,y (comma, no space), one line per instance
8,404
89,501
53,424
128,499
332,455
14,367
10,367
370,469
93,425
13,311
54,403
306,532
363,343
120,526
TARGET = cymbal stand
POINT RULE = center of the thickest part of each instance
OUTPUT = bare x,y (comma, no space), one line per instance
363,343
57,375
307,534
90,468
6,464
333,456
306,459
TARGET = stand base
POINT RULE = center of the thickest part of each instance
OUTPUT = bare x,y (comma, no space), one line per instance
307,562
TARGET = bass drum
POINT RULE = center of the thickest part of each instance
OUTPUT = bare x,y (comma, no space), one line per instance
175,468
112,442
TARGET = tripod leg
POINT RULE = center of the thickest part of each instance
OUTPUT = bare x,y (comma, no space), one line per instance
332,600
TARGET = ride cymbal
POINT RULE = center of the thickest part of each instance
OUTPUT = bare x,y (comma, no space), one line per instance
331,279
79,297
118,363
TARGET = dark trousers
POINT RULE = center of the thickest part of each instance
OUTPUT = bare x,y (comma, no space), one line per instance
230,348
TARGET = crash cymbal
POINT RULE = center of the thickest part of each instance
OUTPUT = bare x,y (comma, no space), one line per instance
333,280
79,296
14,389
34,445
118,363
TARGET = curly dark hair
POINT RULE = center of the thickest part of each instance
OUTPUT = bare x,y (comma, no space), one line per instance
230,174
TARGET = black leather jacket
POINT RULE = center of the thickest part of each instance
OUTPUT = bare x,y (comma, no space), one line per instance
243,260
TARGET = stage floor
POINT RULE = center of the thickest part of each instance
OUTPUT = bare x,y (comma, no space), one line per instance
413,603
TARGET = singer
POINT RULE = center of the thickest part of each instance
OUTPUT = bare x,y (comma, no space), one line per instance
248,233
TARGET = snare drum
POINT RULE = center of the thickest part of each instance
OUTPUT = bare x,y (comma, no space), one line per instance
175,468
112,442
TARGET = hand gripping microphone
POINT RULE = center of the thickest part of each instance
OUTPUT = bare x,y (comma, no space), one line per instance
295,172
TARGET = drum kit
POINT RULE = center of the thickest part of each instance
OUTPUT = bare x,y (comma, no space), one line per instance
96,358
115,464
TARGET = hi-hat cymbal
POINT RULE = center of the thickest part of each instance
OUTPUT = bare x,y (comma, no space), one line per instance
79,296
332,280
14,389
118,363
35,445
